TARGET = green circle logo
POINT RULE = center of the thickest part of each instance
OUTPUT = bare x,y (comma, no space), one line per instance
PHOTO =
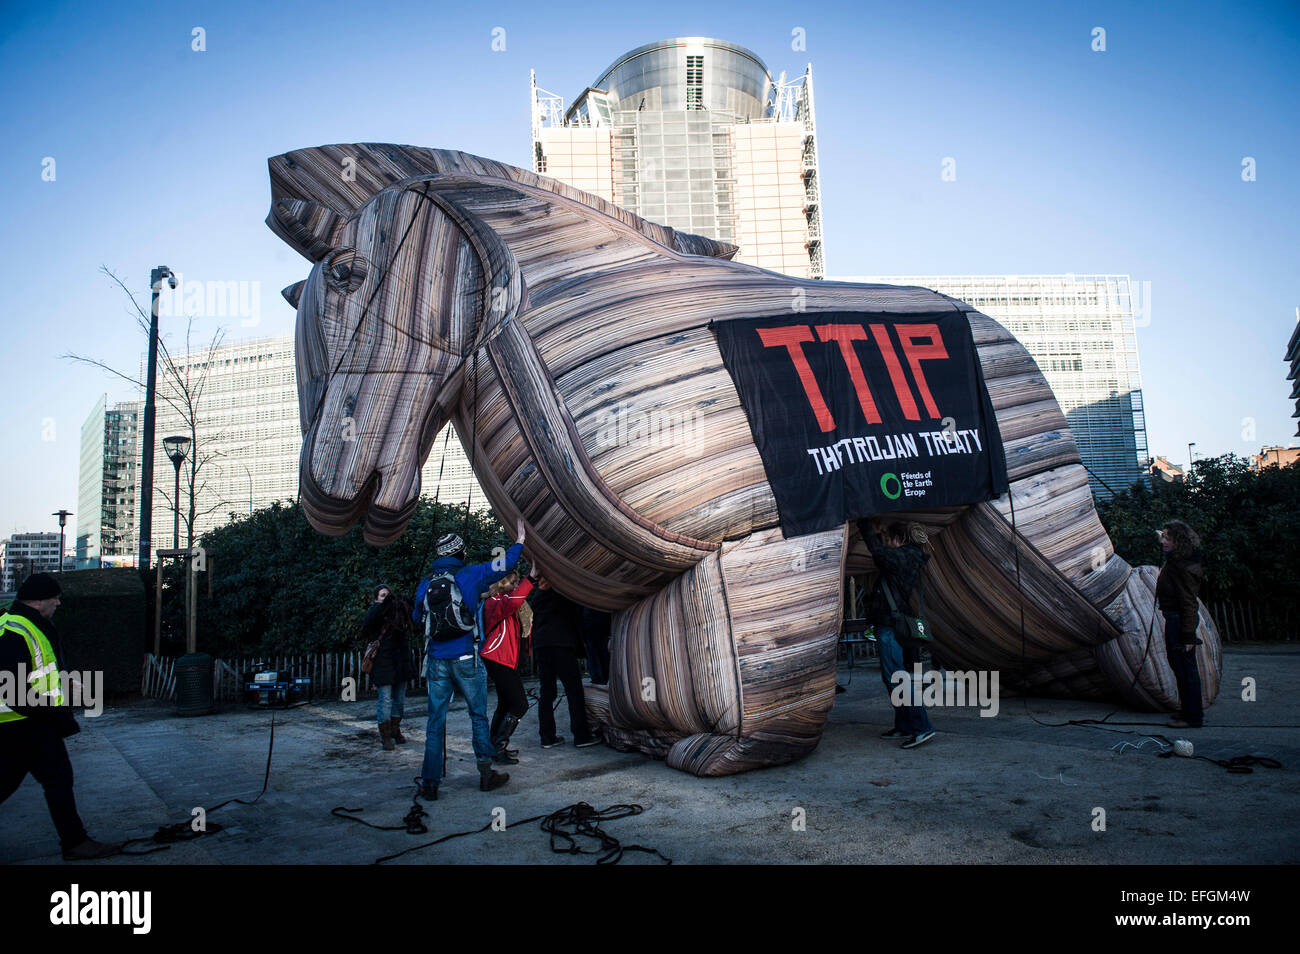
884,486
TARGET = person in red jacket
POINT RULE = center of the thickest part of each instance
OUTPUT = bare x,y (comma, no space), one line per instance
500,655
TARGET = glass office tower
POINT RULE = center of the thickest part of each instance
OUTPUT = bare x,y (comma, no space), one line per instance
106,485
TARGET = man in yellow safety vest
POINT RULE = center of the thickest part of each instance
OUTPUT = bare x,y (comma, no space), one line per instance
34,716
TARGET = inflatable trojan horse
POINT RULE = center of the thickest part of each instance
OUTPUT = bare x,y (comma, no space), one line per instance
689,439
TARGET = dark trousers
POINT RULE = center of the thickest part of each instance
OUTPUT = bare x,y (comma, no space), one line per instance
26,746
511,698
1183,663
598,658
562,662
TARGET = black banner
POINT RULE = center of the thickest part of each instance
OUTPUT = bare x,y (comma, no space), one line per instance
857,413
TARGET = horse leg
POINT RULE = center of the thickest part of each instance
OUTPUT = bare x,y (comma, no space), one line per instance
732,665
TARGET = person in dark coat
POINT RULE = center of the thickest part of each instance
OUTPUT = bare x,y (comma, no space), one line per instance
389,621
900,561
557,627
1177,589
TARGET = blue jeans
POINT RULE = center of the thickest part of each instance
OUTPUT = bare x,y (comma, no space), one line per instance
469,679
893,657
392,702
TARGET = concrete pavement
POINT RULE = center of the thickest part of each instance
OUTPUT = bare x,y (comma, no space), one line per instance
985,790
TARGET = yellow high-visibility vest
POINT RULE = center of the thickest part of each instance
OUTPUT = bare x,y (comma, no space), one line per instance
44,674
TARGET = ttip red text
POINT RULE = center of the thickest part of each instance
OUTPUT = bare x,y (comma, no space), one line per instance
919,342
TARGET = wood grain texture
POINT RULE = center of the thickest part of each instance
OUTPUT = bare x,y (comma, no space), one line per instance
567,342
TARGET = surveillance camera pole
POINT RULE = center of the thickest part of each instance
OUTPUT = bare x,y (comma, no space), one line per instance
156,277
63,516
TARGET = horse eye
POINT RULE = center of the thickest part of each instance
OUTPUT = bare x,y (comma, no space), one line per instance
345,270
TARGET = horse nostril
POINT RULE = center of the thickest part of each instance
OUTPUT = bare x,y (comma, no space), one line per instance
341,272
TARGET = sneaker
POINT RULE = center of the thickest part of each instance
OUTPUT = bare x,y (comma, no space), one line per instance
895,734
919,739
90,850
592,741
558,740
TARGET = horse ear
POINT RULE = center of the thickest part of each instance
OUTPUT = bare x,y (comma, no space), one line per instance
293,292
693,244
309,227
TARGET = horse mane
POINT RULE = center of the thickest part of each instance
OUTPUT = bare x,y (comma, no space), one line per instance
343,177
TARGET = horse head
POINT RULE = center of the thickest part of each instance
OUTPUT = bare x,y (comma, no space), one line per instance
401,291
418,259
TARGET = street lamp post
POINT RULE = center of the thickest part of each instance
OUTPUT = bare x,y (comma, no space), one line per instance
1189,456
63,516
156,277
177,448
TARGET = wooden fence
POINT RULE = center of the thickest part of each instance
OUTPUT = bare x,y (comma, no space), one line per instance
158,681
1247,621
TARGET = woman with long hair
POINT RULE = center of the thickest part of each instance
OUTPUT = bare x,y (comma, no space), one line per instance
506,634
1177,588
389,621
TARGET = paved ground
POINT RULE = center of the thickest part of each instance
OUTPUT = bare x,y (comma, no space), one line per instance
986,790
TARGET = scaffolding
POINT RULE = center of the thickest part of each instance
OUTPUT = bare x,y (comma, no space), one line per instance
547,110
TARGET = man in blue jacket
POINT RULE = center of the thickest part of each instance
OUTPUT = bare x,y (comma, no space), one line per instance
454,663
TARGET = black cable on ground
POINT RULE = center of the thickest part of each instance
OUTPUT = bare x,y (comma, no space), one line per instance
167,835
412,821
563,827
1237,765
585,821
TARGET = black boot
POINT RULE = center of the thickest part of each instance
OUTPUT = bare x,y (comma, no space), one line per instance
386,735
505,756
396,723
488,779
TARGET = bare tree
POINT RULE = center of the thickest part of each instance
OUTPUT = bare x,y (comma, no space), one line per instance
181,383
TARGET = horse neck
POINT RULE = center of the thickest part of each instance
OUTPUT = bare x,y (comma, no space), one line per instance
548,238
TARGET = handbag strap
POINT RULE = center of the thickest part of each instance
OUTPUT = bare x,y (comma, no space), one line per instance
920,596
889,594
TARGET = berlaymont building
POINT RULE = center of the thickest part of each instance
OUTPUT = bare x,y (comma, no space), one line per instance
695,133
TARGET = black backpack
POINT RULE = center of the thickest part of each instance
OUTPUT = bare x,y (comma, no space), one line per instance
446,617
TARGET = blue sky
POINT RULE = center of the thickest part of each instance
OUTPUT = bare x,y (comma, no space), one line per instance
1068,160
